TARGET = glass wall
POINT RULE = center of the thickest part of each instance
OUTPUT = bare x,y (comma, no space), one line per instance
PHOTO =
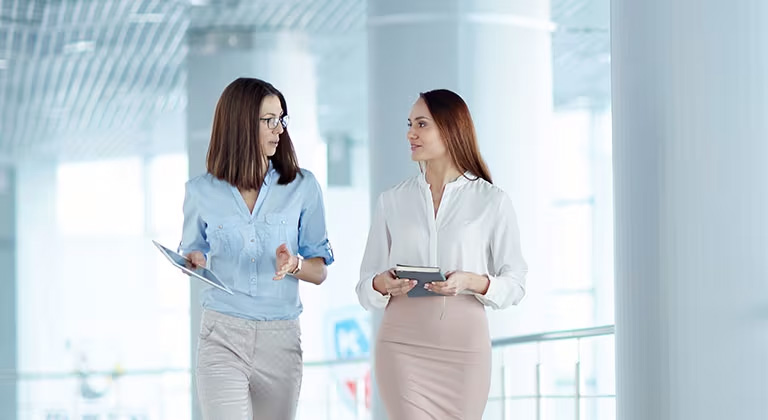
103,320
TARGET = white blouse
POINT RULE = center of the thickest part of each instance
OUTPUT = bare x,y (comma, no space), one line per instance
475,230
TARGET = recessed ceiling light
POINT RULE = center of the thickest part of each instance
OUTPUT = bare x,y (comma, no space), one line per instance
79,47
147,17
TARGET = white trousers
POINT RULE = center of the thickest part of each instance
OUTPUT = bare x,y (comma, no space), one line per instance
248,370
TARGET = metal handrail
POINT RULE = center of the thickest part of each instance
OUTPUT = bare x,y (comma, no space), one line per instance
500,342
11,375
556,335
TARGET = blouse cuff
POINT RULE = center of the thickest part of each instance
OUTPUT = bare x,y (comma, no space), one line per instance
377,299
499,295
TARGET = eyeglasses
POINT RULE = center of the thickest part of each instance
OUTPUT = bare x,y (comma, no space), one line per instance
274,121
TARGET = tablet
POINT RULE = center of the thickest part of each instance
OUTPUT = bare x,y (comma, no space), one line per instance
200,273
422,275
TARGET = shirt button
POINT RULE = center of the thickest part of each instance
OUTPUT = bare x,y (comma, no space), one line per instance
220,226
253,259
282,221
252,240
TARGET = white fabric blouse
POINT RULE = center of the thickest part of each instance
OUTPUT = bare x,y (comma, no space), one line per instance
475,230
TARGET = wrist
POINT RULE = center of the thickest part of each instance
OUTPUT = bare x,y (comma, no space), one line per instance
480,284
297,264
378,285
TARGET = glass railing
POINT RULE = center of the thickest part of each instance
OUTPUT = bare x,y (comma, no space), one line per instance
562,375
114,394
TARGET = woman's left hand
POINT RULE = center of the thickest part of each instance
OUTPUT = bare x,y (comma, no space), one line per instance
455,283
285,262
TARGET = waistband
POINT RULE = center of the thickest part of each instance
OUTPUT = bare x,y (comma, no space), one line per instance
218,317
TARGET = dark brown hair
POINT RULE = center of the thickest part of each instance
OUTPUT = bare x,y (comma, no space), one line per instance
234,154
452,117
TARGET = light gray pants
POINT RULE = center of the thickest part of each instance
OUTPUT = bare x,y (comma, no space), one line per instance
248,369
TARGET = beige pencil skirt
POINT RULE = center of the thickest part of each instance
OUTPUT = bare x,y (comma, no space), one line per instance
433,358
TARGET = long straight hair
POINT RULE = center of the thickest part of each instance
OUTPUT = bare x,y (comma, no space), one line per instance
235,154
452,117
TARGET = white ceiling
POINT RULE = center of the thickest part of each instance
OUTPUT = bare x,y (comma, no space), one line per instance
84,79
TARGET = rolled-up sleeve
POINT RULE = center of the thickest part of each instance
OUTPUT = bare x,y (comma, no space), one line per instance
193,231
508,268
313,235
375,260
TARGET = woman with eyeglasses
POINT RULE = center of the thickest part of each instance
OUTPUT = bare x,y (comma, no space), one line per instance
258,221
433,353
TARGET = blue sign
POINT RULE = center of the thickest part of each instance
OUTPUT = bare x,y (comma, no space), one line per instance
349,339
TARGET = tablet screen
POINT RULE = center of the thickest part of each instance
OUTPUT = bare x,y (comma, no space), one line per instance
200,272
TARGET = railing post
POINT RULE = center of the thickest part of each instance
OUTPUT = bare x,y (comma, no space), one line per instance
578,391
503,386
360,398
578,379
538,381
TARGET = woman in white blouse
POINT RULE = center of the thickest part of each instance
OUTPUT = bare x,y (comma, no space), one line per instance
433,354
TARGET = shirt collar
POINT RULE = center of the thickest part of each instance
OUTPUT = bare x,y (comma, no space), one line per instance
461,180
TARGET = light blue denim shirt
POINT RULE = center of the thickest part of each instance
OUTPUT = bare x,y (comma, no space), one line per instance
240,246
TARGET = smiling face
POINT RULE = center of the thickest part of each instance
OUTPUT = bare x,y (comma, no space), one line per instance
269,138
423,134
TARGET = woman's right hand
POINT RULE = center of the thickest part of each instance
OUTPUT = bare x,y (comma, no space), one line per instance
387,284
195,259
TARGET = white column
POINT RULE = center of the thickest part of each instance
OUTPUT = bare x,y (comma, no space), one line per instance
496,55
215,60
506,78
690,99
8,319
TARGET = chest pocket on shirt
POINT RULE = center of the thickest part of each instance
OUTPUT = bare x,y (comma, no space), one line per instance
283,229
276,226
225,238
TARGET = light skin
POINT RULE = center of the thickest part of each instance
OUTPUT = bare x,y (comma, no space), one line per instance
313,270
428,147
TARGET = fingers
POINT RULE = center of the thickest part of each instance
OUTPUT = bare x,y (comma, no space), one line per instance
283,257
283,248
397,287
286,263
195,259
446,288
280,274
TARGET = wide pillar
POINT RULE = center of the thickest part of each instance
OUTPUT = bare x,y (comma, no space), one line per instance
690,99
496,55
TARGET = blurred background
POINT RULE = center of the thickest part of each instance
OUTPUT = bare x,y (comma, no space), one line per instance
105,112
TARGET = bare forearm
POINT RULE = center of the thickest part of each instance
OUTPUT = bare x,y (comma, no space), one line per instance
478,283
313,270
379,284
